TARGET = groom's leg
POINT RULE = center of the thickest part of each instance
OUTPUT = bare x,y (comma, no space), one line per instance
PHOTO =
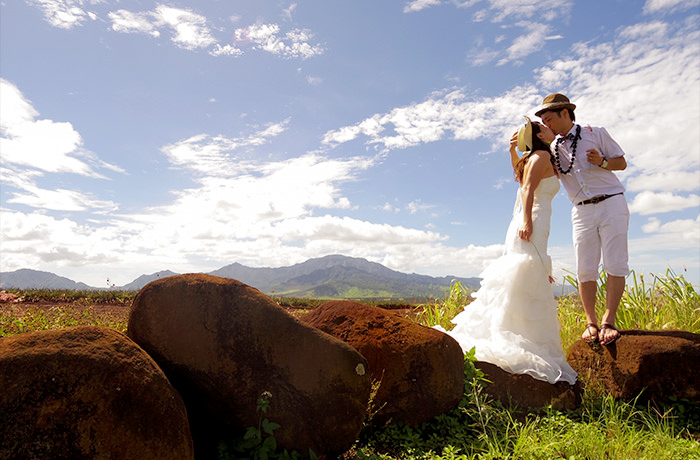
615,288
587,292
588,250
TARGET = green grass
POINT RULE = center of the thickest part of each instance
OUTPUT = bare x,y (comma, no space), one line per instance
601,428
87,296
54,309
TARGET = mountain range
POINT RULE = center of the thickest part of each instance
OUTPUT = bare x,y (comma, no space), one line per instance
334,276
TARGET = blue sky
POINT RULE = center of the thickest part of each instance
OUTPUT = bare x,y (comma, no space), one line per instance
139,136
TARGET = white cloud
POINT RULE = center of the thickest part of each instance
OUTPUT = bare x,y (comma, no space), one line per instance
32,148
24,190
608,81
517,15
217,155
651,72
668,6
527,44
45,145
288,12
315,81
688,227
267,37
501,10
418,5
64,14
654,203
35,240
671,181
450,114
226,50
238,207
127,22
61,200
190,28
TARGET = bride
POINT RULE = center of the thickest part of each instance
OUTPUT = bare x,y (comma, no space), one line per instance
513,321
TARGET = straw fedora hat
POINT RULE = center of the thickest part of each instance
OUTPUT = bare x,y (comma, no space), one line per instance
555,101
525,136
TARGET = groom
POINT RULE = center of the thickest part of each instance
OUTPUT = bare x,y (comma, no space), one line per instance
600,216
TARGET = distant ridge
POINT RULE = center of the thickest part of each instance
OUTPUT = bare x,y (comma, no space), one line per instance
34,279
333,276
338,276
143,280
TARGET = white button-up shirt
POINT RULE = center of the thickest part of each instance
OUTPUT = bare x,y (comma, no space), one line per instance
586,180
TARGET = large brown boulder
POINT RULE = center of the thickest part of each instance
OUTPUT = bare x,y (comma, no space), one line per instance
527,393
87,393
421,370
664,364
223,343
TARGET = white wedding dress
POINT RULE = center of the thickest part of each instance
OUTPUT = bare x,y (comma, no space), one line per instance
513,321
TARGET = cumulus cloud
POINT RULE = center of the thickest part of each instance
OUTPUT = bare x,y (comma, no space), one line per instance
218,155
608,81
189,29
646,202
41,144
32,148
647,71
226,50
239,207
65,14
35,239
60,200
128,22
418,5
682,229
452,114
268,37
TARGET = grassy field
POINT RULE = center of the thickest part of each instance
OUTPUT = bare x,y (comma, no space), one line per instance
601,428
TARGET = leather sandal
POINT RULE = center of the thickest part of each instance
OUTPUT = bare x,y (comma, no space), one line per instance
610,327
587,336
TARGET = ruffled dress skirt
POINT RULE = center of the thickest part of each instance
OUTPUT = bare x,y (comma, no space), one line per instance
513,321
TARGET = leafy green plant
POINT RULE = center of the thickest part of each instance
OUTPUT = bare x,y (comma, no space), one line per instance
452,432
258,442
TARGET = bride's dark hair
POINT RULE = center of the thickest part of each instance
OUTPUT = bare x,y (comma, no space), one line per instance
537,144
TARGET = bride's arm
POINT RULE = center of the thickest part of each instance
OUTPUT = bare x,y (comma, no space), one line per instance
514,158
535,170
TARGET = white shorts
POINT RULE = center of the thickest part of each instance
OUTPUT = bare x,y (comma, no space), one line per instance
601,229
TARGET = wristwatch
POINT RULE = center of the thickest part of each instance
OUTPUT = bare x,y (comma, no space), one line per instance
604,164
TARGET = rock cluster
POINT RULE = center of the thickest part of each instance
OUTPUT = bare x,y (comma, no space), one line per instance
201,350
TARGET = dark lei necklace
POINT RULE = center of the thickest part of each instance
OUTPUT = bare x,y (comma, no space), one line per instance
573,149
